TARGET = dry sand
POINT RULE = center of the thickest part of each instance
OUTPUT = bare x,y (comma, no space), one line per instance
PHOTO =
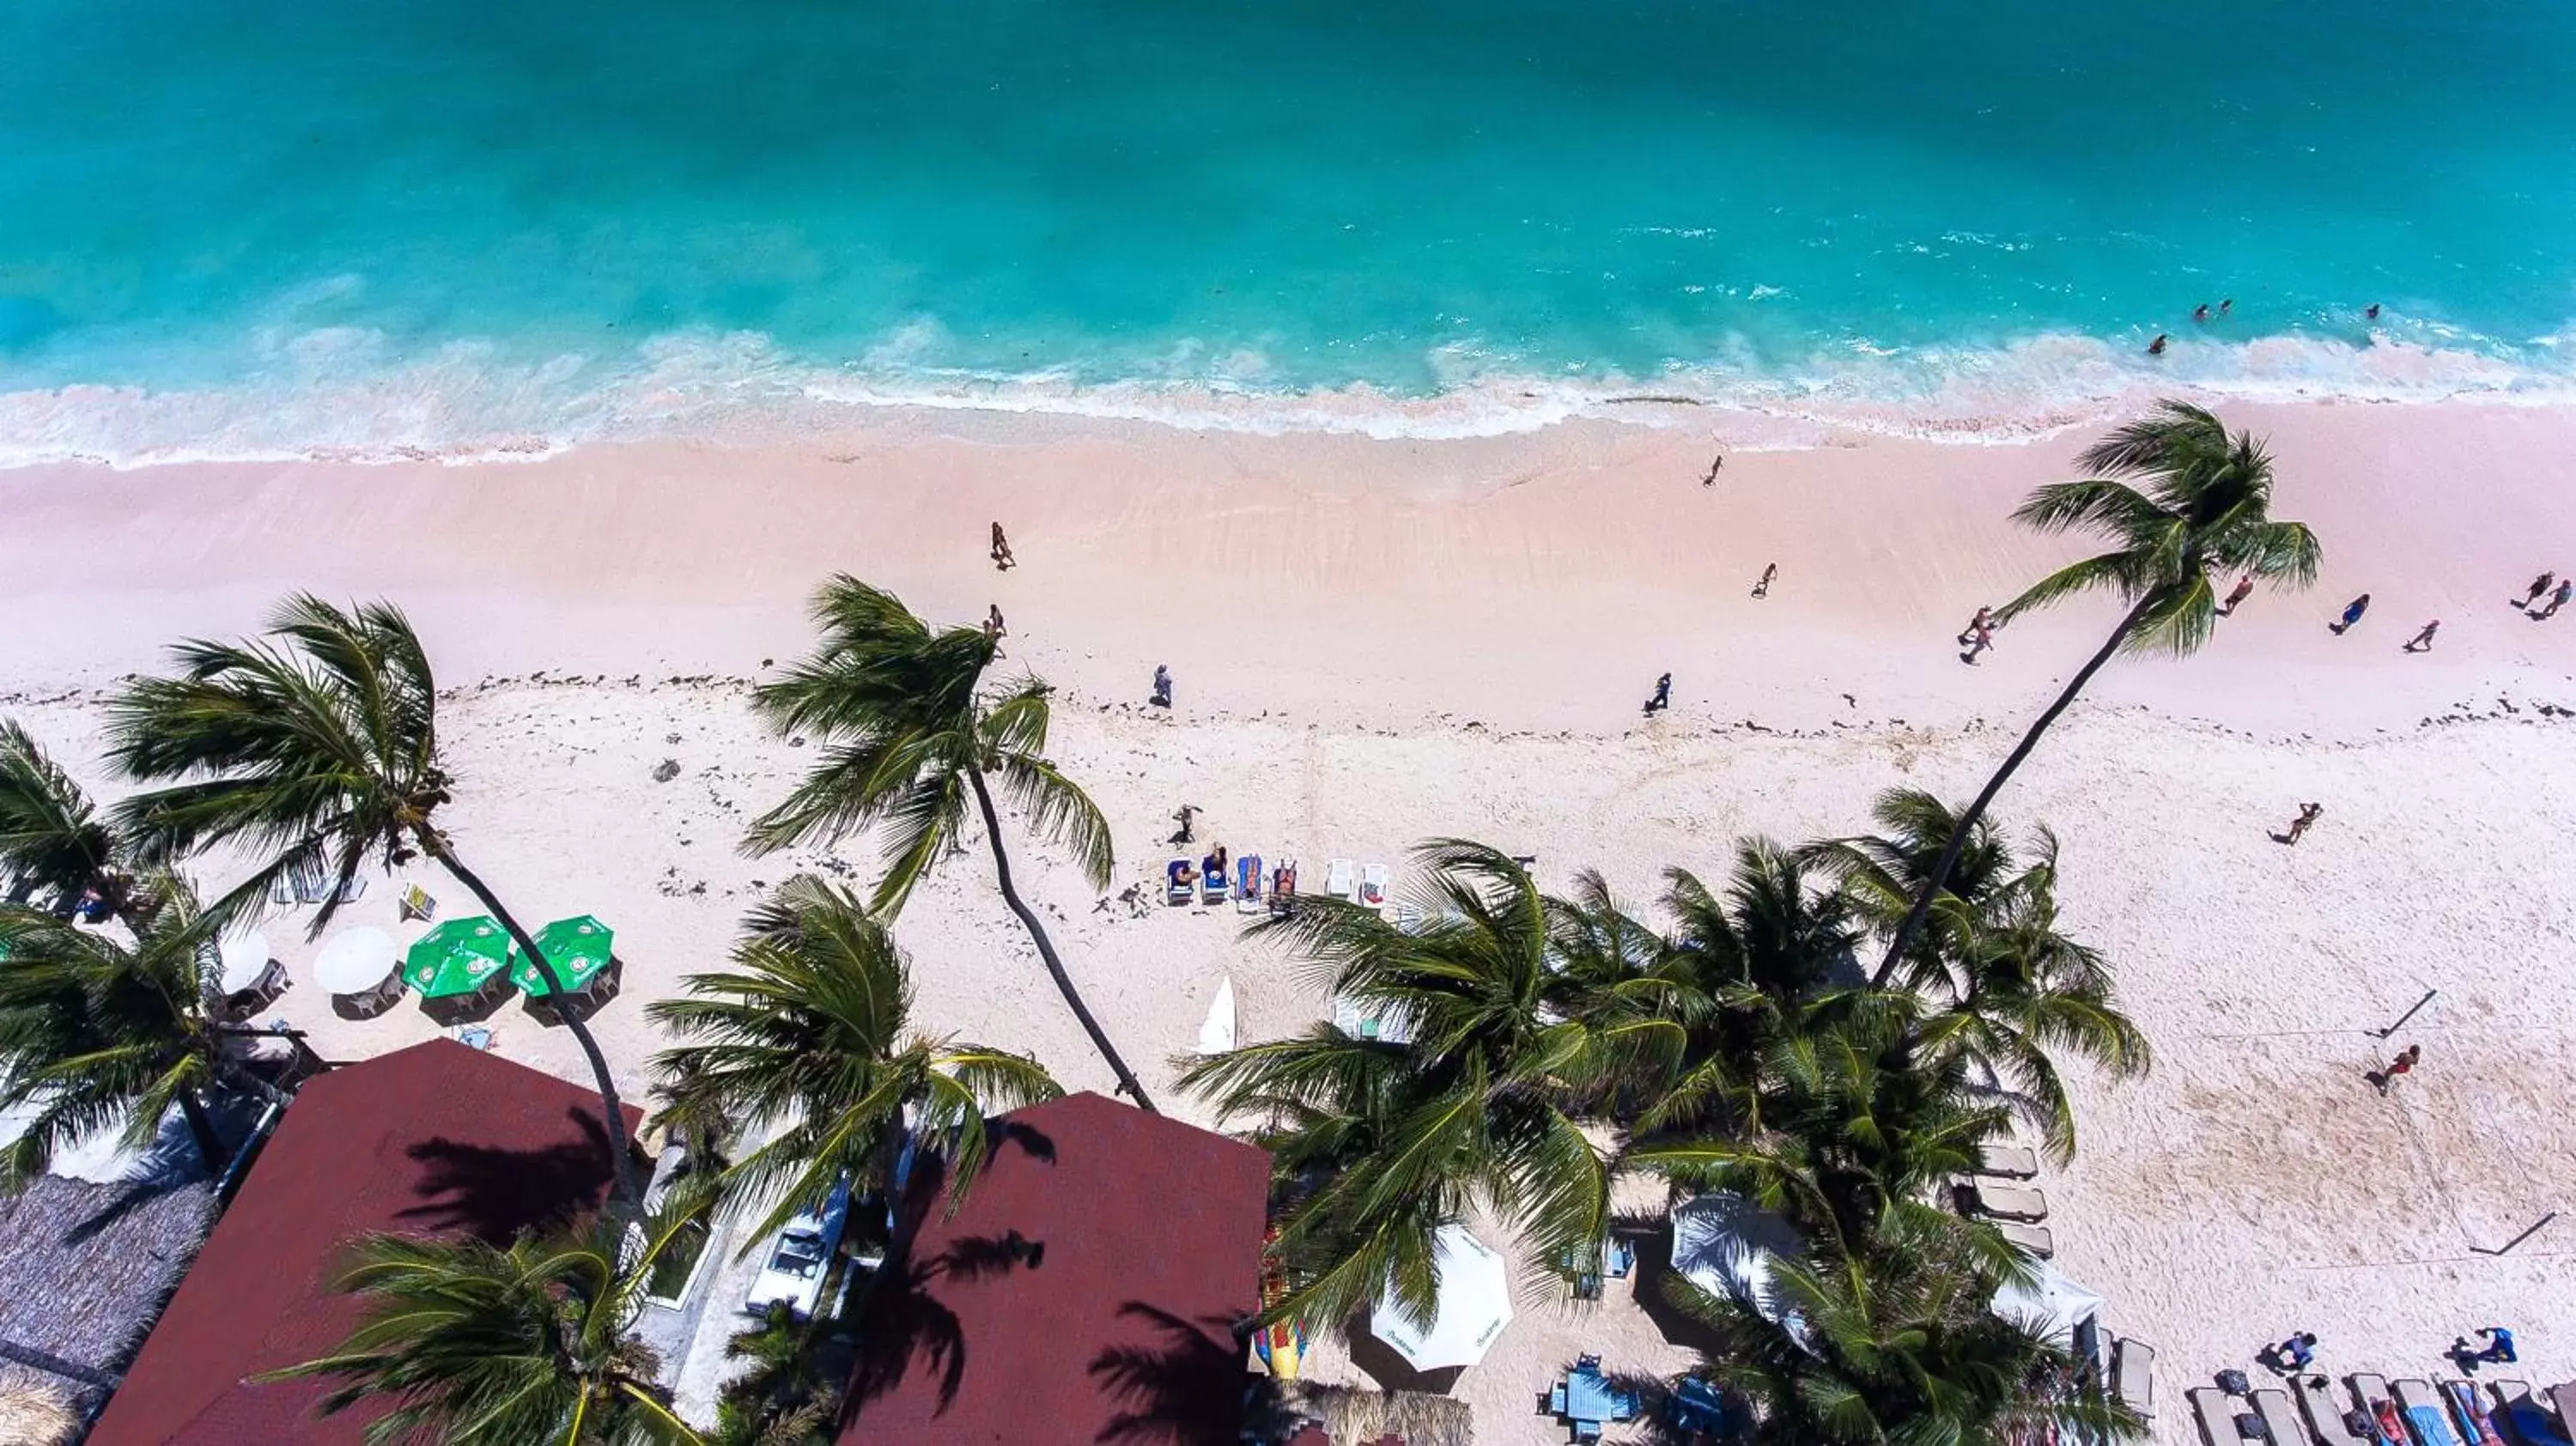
1378,642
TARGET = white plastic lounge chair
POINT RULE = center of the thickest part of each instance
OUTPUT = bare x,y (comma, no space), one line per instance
2033,1238
2325,1417
1374,879
2280,1418
2015,1162
2216,1412
1341,878
2425,1413
2000,1201
2133,1375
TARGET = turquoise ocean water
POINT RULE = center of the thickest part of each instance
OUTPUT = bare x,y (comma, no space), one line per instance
273,225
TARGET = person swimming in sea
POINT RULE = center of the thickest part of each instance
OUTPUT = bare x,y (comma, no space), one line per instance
2370,312
2200,313
2157,347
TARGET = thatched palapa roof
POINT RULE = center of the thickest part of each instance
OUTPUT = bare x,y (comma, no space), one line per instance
85,1269
33,1416
1351,1416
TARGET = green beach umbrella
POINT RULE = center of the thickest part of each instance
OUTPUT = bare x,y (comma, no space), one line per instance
457,957
577,947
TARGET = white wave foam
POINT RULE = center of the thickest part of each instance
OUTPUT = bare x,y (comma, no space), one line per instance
340,393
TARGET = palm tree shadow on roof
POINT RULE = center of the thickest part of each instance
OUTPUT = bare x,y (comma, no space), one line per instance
1184,1391
495,1193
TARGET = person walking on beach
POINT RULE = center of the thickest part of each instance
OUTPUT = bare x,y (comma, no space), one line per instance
2497,1351
2309,813
1769,571
1714,463
1663,695
994,627
2404,1063
2423,641
2557,600
1980,638
2244,589
1162,686
1002,559
2539,585
2352,612
1982,622
2295,1353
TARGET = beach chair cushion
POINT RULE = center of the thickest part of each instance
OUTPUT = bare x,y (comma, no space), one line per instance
1341,877
2008,1202
2425,1413
2215,1410
2033,1238
2327,1419
2280,1419
2133,1375
2019,1162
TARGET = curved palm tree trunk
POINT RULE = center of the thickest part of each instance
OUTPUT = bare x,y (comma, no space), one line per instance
1939,878
629,1194
1046,948
210,1146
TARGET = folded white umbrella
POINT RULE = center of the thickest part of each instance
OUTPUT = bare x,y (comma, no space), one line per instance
1216,1035
1474,1304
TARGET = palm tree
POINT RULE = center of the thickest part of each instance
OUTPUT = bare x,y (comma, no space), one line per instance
479,1345
783,1397
51,840
1378,1144
907,741
2007,987
1747,970
811,1035
96,1031
1906,1348
319,748
2201,503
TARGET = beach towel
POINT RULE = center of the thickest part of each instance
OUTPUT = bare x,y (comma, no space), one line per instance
2476,1422
2422,1408
2527,1420
1176,889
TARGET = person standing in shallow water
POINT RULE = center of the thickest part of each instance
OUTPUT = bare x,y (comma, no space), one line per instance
2157,347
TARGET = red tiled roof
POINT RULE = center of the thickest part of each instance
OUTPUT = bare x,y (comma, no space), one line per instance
436,1139
1120,1331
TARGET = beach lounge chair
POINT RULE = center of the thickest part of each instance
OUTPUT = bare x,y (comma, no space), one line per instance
2326,1415
2370,1393
1283,888
2216,1411
1999,1201
2014,1162
1247,885
2525,1418
2425,1415
1214,887
2280,1419
1374,879
1341,878
2033,1238
2133,1376
2562,1398
2479,1422
1178,884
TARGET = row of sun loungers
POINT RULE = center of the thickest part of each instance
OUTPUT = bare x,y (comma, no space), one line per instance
2016,1210
1254,891
2408,1413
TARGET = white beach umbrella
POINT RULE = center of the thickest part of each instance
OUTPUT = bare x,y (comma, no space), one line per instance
244,959
1726,1245
2051,1305
1474,1304
355,961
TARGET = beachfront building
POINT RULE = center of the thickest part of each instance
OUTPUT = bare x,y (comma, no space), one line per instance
1093,1288
436,1139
